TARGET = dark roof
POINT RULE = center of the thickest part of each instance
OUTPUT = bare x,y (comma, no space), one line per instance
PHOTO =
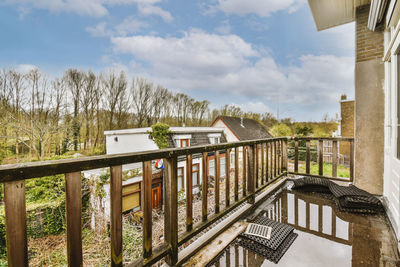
198,138
249,129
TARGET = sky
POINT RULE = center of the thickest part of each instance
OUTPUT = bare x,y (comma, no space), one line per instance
260,55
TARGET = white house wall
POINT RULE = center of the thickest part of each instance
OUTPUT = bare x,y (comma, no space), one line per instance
128,143
230,137
391,190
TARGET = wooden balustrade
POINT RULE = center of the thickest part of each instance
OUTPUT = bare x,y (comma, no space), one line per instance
311,143
257,163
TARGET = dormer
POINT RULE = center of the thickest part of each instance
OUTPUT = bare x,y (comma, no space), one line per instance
182,140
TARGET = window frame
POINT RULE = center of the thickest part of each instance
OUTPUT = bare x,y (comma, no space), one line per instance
198,174
187,142
183,177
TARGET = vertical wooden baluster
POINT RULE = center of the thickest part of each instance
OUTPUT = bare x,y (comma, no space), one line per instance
266,162
320,218
171,209
284,208
244,176
333,216
251,178
296,210
296,155
275,158
73,207
334,158
204,186
257,158
307,215
15,212
308,156
282,157
217,179
320,157
227,176
189,193
262,164
351,160
116,215
271,145
147,209
236,173
286,155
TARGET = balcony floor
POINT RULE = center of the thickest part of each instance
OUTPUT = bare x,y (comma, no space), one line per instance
327,236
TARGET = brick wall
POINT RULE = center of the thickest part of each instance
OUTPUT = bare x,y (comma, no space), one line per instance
369,45
346,125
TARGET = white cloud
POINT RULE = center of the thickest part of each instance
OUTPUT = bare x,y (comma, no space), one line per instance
99,30
228,64
92,8
146,9
224,28
261,8
128,26
25,68
257,106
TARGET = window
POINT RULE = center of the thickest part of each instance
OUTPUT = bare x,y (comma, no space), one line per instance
181,180
195,174
184,142
214,140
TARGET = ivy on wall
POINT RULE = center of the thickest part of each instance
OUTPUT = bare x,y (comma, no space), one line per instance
159,134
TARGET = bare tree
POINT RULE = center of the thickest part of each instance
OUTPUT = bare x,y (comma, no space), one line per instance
141,91
75,80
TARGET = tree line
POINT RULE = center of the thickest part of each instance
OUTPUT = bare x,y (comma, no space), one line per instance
42,117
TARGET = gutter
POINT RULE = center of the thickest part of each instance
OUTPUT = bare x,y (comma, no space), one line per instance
376,12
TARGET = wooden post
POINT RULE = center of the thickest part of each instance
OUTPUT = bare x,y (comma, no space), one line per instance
15,212
351,160
189,193
227,176
308,156
333,216
275,158
320,157
296,156
257,159
262,164
251,179
204,186
236,173
171,209
284,207
296,210
307,215
266,162
320,218
217,178
73,207
282,157
116,215
244,176
147,209
334,158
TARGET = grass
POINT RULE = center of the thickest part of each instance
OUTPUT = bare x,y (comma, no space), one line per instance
342,171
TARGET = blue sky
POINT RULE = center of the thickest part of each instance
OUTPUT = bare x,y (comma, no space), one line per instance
254,54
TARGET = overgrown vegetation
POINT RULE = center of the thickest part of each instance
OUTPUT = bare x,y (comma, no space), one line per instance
159,134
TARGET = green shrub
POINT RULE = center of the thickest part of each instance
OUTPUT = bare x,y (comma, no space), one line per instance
159,134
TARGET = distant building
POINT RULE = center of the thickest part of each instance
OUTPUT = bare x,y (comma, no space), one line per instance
241,129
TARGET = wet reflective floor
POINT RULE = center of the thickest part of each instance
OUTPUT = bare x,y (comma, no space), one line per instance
327,237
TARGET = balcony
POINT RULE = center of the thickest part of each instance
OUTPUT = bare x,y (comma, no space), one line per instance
255,169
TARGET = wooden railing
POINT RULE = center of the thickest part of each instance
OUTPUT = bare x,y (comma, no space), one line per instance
320,156
262,162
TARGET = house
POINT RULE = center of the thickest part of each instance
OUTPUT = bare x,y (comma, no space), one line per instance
241,129
345,129
377,105
139,139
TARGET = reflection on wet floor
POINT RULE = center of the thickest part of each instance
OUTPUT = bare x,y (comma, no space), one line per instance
327,237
